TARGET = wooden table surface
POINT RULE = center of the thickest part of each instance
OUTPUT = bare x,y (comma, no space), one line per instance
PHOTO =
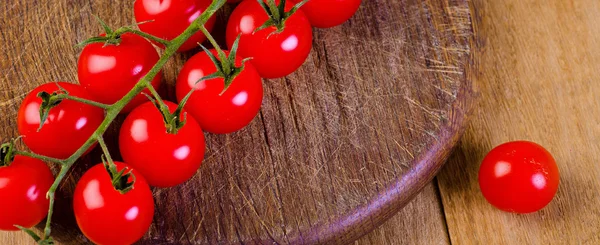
538,80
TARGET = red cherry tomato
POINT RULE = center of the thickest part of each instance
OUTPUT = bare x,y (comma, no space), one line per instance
104,215
23,187
109,72
330,13
169,18
520,177
217,113
68,126
273,56
164,159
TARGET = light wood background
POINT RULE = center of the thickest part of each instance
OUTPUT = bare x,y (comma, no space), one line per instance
539,80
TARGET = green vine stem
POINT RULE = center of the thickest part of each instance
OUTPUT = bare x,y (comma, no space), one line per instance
82,100
112,111
106,156
155,96
123,30
214,43
40,157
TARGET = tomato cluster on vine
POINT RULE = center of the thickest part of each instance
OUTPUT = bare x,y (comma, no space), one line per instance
162,143
219,91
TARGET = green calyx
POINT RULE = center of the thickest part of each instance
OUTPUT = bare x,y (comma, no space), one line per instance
225,65
277,14
49,101
47,241
6,154
173,121
119,179
111,37
38,239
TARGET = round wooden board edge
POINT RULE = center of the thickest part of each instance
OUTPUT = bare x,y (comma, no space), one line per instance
355,224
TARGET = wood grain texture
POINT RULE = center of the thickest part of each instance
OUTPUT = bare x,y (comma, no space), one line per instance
420,222
338,148
540,82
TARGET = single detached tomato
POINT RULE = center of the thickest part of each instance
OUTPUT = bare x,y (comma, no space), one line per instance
23,187
519,176
218,113
273,54
109,72
68,126
165,159
330,13
167,19
104,215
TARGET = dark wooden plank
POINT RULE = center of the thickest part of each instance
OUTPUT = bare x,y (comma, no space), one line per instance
339,147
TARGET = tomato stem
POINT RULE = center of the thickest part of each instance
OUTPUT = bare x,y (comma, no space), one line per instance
50,100
35,237
40,157
172,120
64,169
105,150
113,37
159,101
144,35
225,65
8,153
113,111
84,101
119,179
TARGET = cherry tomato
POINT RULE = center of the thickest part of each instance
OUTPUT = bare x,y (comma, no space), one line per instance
104,215
274,56
217,113
519,176
169,18
330,13
163,158
23,187
109,72
68,126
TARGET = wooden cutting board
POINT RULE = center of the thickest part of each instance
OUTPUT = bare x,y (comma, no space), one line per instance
339,146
